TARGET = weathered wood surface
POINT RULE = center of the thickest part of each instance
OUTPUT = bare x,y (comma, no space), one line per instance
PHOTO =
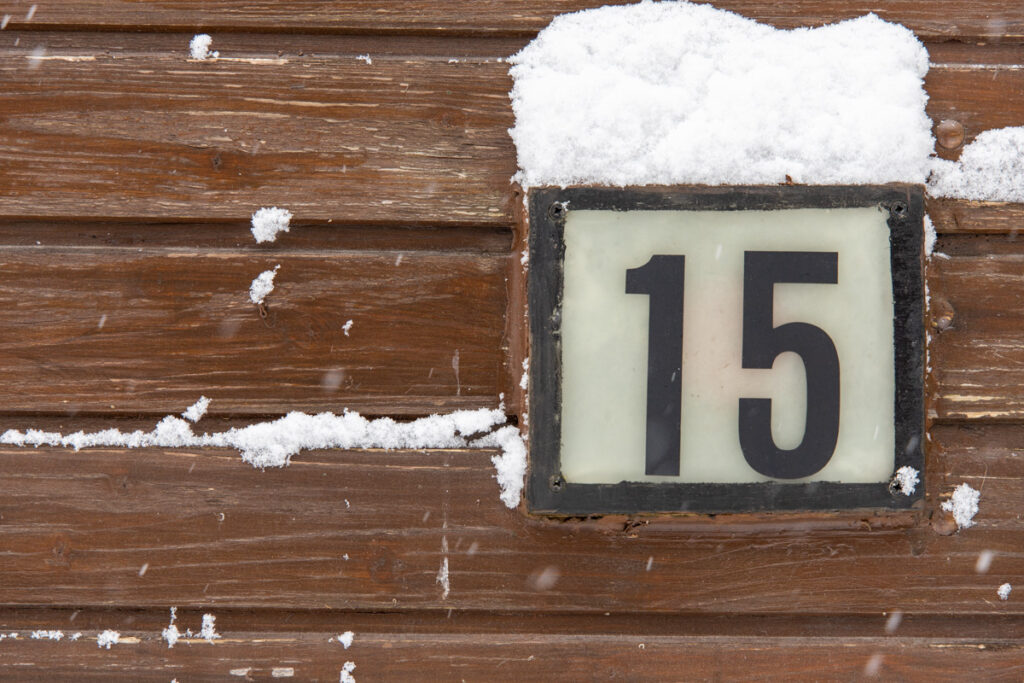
134,129
124,329
383,656
946,19
77,529
977,351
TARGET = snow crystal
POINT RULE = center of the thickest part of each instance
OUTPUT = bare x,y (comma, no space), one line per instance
171,634
1004,591
674,92
989,169
346,639
346,673
262,286
108,638
365,58
196,411
76,636
524,381
208,632
199,47
47,635
906,480
267,222
346,327
964,505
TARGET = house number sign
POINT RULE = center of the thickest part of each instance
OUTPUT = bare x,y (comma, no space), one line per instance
724,349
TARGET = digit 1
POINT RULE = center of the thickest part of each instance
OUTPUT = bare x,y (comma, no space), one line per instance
661,278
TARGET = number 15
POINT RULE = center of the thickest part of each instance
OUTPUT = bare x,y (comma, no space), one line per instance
662,279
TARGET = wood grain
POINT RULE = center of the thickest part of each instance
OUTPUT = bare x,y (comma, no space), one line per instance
385,656
135,130
79,527
404,140
977,359
947,19
119,329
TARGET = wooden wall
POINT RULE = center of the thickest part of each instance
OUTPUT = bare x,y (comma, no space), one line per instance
127,177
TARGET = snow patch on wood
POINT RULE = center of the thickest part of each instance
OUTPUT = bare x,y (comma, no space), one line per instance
964,505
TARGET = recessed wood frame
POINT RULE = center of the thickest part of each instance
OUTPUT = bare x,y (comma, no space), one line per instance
549,494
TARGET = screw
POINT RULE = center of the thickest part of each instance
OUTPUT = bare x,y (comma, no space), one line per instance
950,134
557,483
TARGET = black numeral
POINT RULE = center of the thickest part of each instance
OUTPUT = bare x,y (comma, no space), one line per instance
763,342
661,278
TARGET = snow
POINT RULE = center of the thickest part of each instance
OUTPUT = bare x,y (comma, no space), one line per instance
345,639
674,92
108,638
346,673
964,505
47,635
443,579
273,443
196,411
365,58
171,634
208,632
346,327
906,480
199,47
267,222
262,286
984,561
524,381
4,21
989,169
1004,591
930,236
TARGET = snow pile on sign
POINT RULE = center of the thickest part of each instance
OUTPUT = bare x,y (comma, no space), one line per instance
989,169
672,92
272,444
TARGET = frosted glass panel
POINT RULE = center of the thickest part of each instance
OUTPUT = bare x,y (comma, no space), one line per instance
605,341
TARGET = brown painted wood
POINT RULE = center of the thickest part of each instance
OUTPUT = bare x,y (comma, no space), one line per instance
281,654
134,129
942,19
79,527
122,329
979,218
412,141
976,350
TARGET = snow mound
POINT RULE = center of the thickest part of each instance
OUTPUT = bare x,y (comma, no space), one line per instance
1004,591
964,505
267,222
906,480
674,92
261,286
990,169
199,47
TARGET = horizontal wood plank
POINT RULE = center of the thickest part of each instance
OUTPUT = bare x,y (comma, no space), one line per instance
370,530
414,141
977,348
942,19
383,656
119,329
134,129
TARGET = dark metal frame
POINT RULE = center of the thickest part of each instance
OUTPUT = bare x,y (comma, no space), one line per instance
549,494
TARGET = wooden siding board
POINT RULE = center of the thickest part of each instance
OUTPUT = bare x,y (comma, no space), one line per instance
78,527
564,657
140,131
120,329
945,19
